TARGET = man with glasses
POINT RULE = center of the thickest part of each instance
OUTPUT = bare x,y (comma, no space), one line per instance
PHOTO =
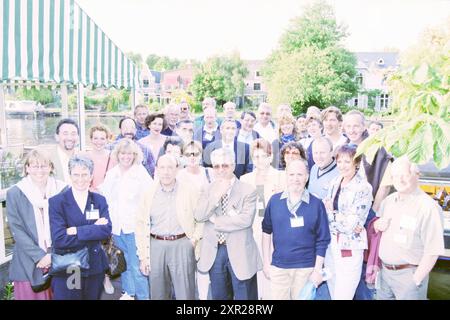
265,127
228,251
185,111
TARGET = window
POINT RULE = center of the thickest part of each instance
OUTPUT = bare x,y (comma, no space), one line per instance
360,79
257,74
257,86
384,100
145,97
145,83
355,102
380,61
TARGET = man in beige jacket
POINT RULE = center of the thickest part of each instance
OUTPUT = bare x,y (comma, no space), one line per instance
166,233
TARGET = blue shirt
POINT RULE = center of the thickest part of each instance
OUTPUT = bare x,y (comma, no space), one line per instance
296,247
141,132
148,161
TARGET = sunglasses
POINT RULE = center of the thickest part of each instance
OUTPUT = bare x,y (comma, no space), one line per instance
192,154
223,166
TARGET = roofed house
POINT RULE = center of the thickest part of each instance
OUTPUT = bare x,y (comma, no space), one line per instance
372,71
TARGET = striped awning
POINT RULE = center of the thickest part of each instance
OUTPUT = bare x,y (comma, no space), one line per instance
56,41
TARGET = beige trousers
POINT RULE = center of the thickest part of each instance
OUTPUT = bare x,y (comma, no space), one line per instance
287,283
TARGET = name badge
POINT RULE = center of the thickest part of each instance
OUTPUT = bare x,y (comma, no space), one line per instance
297,222
93,214
400,238
408,222
208,136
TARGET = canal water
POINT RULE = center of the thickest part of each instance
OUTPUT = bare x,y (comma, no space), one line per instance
32,131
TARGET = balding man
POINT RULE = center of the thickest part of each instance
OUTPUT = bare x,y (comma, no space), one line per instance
296,223
229,112
412,236
209,131
324,170
265,127
228,250
167,233
171,115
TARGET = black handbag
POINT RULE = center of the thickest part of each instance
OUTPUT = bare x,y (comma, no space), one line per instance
116,259
43,286
79,259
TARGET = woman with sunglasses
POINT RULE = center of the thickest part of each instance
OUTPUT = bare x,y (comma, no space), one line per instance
196,174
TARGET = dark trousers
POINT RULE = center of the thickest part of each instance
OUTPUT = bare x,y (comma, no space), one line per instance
91,288
224,283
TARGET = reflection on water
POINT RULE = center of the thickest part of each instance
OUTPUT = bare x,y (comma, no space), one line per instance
33,131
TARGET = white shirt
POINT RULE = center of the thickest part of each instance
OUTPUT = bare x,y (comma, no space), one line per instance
123,192
229,146
80,198
64,163
268,132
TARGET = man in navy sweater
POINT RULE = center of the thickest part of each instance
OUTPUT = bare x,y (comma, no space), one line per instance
297,224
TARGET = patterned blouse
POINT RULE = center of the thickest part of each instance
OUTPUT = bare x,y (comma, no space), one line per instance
355,200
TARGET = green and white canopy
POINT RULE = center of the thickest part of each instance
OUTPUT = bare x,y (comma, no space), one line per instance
56,41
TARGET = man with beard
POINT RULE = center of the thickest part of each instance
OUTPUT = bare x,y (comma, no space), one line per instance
67,137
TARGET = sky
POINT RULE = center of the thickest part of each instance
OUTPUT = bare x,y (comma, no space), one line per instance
197,29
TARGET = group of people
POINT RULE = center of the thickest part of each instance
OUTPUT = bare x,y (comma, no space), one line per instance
235,208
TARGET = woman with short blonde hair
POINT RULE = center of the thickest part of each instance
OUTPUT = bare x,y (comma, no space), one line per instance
28,218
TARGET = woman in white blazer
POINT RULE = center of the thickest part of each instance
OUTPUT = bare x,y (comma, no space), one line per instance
267,181
123,189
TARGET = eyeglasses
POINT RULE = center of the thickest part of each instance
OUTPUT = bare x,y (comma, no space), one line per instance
265,113
37,167
192,154
223,166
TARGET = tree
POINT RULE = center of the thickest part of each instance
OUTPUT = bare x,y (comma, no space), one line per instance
41,95
221,77
151,61
311,67
421,101
136,58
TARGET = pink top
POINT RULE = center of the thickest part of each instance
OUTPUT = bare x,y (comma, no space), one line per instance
101,166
